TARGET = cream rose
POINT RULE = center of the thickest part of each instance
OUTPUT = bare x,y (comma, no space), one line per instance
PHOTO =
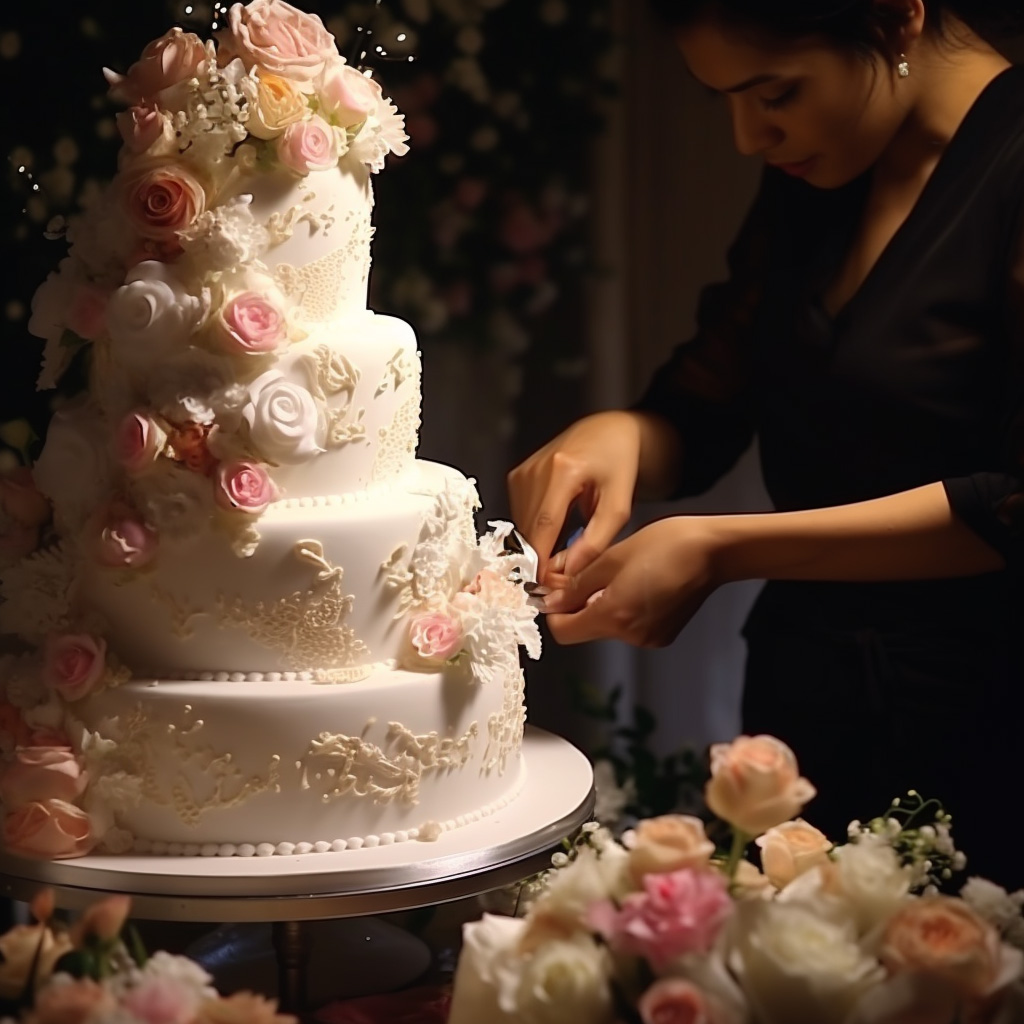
308,146
276,37
790,849
50,829
152,310
19,948
40,774
487,975
274,104
165,62
162,199
566,979
755,784
285,421
346,95
868,876
668,843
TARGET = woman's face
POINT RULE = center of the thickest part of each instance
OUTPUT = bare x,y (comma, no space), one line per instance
818,113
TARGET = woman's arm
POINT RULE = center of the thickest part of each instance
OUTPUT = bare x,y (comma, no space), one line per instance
645,589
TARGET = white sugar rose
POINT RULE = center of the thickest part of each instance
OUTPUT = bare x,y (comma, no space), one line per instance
153,307
286,422
798,963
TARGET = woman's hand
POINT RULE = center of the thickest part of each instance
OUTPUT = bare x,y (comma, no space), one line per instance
592,465
643,590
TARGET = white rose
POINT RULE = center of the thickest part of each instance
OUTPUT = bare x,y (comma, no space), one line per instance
488,969
152,310
564,980
285,421
797,962
868,876
589,879
74,468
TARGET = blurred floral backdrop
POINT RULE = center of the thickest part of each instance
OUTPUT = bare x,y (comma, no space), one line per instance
482,230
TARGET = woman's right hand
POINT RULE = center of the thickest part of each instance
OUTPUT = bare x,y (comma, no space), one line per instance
593,465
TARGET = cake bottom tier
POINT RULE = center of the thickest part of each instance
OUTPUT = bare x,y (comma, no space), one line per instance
291,766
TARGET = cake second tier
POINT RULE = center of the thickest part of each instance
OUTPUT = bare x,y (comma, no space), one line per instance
324,595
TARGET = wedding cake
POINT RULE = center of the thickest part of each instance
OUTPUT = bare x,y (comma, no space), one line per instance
243,617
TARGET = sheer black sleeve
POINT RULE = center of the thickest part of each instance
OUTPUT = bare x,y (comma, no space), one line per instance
703,388
992,503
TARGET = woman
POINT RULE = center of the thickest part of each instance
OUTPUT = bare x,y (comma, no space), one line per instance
871,336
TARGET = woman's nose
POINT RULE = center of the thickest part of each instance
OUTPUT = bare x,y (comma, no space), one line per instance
752,131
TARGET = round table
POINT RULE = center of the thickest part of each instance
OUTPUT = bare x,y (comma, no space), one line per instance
506,847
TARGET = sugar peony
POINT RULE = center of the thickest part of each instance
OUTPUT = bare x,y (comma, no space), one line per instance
173,58
755,784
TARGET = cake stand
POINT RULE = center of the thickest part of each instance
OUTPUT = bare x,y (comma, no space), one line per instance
293,892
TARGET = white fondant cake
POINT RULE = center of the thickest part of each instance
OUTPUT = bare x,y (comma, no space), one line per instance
247,620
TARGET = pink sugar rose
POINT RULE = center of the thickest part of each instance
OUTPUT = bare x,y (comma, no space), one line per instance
174,57
346,95
51,829
162,200
675,1001
249,323
243,487
142,127
138,441
41,774
74,664
308,146
677,913
436,636
276,37
125,541
79,1001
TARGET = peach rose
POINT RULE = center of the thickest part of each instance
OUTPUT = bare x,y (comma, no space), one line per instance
38,774
276,37
74,663
243,487
943,937
755,784
173,58
790,849
52,830
138,441
78,1001
162,200
667,843
18,950
242,1008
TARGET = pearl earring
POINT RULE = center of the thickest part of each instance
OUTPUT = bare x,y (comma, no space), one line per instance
903,68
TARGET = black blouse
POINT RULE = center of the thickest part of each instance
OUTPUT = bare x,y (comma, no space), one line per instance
919,378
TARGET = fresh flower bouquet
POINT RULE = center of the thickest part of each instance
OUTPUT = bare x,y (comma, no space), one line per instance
659,927
97,972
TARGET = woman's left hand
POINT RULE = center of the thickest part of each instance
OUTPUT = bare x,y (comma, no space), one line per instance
643,590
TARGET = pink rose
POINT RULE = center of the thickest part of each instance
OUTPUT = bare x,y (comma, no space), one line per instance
790,849
436,636
173,58
681,912
674,1001
162,200
142,128
161,999
274,36
125,541
51,829
346,95
41,774
249,323
755,784
308,146
138,441
74,664
21,499
78,1001
243,487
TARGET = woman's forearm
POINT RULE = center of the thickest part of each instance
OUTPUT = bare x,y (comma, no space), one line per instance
661,455
910,535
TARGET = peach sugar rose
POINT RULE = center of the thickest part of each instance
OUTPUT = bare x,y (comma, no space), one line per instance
755,784
173,58
50,830
38,774
162,199
668,843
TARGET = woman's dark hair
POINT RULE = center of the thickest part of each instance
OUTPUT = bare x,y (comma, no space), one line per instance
861,25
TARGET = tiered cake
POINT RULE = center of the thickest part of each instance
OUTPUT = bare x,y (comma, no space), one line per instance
247,620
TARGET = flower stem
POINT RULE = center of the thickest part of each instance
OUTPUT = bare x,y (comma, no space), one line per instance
740,841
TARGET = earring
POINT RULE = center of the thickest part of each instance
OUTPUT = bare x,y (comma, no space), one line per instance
903,68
